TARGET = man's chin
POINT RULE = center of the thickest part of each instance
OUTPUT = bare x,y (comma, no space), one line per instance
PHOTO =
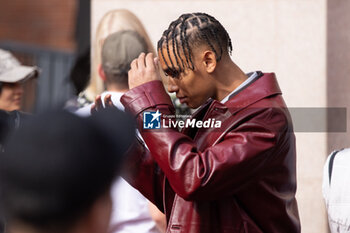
15,108
192,105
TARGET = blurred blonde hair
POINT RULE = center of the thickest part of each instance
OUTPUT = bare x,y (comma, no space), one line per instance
113,21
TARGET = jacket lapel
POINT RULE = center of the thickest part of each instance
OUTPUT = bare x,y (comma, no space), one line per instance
198,114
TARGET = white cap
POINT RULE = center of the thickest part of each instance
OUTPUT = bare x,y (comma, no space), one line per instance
11,70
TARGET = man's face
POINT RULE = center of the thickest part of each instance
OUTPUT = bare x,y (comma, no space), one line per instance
192,87
11,96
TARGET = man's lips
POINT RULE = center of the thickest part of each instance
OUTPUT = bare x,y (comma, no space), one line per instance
17,100
182,99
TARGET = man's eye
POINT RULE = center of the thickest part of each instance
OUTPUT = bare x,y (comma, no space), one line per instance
172,73
175,74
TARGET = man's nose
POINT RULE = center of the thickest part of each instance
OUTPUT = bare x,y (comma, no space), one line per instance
19,88
172,87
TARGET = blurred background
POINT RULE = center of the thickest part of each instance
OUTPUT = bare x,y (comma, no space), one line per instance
48,34
305,42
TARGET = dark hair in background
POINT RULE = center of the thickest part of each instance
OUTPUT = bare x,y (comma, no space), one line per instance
58,164
118,51
81,71
188,32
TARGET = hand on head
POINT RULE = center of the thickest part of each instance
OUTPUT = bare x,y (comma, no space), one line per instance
143,69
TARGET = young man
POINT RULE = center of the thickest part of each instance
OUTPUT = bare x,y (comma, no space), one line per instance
57,171
239,176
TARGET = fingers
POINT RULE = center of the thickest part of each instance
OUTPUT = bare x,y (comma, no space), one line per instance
156,62
150,61
141,61
98,103
133,65
93,109
130,78
107,98
138,62
143,70
108,101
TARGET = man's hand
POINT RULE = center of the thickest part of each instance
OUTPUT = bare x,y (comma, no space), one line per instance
143,69
98,105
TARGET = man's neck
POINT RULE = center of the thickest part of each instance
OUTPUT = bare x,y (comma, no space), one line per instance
116,88
228,77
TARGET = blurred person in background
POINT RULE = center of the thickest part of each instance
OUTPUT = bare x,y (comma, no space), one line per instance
12,77
57,171
112,21
79,78
336,191
120,38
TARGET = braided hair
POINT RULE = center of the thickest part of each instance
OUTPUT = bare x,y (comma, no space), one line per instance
187,32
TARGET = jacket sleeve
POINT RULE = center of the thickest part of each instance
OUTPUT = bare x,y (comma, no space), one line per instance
220,170
143,173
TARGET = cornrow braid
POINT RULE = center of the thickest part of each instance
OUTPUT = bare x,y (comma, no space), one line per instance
167,48
195,23
229,43
214,33
188,47
173,39
178,53
182,39
159,45
191,30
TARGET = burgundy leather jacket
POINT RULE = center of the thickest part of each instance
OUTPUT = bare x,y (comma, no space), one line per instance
239,178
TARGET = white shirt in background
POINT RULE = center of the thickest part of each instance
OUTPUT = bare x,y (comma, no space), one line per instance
336,192
130,213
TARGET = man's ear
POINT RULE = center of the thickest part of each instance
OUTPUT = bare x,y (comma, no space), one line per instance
209,61
101,72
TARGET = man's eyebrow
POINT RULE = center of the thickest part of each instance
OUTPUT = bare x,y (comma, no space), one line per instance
167,70
171,70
